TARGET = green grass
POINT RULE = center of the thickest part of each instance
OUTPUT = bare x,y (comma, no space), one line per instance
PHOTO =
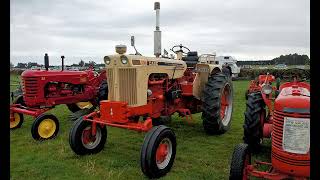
199,156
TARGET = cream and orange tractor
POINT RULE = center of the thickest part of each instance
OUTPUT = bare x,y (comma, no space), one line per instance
143,94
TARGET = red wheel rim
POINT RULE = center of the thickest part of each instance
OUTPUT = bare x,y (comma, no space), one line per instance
88,140
164,153
246,163
224,102
87,136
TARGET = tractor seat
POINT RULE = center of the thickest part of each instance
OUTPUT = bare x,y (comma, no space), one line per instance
191,59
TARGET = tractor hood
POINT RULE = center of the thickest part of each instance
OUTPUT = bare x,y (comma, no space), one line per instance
294,98
40,73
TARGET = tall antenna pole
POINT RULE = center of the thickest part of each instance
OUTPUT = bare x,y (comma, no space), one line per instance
157,32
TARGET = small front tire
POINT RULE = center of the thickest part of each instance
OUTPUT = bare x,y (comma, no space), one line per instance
158,151
241,158
81,140
16,120
45,126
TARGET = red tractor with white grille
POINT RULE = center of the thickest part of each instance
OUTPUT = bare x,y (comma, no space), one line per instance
42,90
286,120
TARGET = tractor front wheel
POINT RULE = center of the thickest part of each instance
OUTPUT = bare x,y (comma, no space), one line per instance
253,122
16,120
158,151
45,126
81,139
217,104
241,158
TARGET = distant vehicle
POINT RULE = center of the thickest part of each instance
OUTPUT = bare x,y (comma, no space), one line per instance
280,66
231,61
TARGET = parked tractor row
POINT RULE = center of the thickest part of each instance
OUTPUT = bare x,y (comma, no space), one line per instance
141,93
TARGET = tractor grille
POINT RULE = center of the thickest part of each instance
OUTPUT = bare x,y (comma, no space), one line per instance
278,121
277,135
110,79
128,85
30,86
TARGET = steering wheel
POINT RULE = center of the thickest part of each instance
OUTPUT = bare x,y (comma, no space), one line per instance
300,74
182,48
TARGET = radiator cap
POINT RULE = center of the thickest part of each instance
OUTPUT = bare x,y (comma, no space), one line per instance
121,49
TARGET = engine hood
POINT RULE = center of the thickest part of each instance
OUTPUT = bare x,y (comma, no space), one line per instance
293,99
39,73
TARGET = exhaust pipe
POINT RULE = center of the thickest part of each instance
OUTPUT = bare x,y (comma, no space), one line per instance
157,32
46,61
62,59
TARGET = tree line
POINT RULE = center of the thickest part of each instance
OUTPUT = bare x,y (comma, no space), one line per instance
290,59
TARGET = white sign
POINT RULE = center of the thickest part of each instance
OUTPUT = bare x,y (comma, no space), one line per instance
296,135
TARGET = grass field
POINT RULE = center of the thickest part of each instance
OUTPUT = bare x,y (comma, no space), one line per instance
199,156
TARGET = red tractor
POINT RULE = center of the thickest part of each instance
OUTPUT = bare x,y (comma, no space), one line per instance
143,94
286,120
44,89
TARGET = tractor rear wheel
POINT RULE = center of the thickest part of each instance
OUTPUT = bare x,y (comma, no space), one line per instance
82,141
45,126
102,95
241,158
217,104
103,91
158,151
16,120
79,106
253,125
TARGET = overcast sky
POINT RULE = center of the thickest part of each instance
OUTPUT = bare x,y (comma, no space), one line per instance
245,29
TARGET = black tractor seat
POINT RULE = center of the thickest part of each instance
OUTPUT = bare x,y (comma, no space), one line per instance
191,59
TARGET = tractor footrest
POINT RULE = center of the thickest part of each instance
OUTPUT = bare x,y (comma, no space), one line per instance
185,113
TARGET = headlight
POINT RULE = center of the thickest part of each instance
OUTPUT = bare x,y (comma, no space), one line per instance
267,89
107,60
124,59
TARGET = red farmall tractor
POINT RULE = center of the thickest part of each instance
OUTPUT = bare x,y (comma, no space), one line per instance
143,94
286,120
44,89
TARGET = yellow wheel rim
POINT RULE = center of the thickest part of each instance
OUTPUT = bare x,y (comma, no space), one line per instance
46,128
84,105
14,122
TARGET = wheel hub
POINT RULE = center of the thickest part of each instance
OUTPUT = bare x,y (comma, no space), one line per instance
162,152
83,105
14,120
47,128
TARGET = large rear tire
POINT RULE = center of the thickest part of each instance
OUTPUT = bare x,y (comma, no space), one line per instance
241,158
217,104
80,106
158,151
253,125
81,140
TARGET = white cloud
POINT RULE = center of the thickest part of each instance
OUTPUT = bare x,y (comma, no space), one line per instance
246,29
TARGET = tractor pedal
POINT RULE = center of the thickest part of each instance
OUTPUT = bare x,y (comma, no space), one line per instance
185,113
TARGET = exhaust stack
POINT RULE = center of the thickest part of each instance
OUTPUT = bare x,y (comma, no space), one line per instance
157,32
46,61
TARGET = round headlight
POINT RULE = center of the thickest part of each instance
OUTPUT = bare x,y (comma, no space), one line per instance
107,60
124,59
267,89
